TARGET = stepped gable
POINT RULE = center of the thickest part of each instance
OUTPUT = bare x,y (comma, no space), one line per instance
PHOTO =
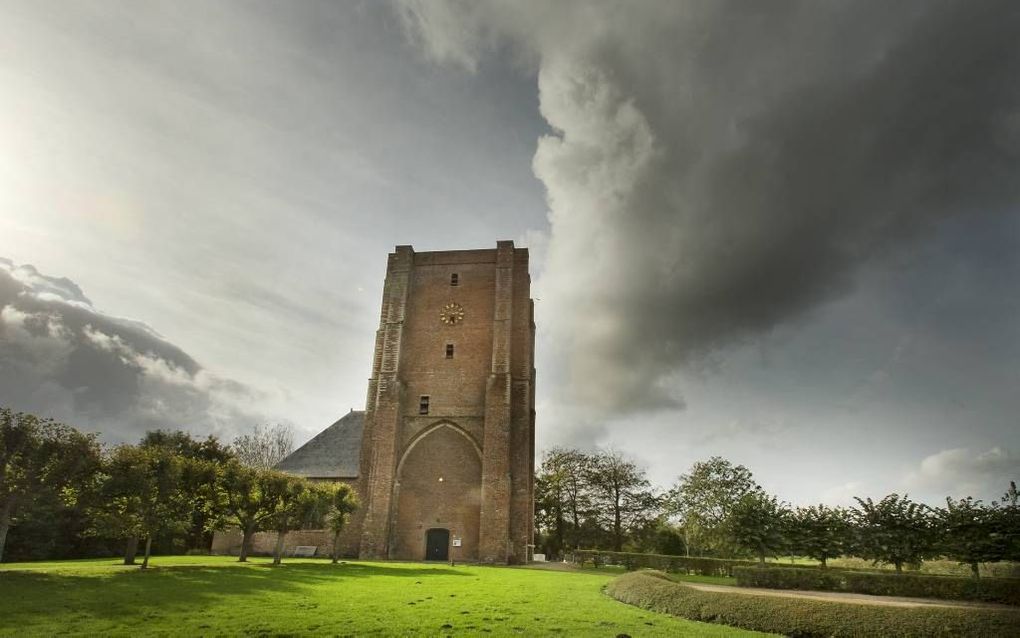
334,453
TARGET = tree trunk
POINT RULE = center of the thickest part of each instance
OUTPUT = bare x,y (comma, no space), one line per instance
823,563
245,546
899,567
4,526
336,547
559,524
974,570
130,549
5,523
617,525
278,550
577,525
761,556
148,548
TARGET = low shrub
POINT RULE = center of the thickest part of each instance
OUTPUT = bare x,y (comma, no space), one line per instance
991,590
662,562
666,562
808,618
940,566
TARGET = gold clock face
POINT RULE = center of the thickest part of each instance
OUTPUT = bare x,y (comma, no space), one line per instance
451,314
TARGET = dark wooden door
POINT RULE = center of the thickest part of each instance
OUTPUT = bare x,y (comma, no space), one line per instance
437,544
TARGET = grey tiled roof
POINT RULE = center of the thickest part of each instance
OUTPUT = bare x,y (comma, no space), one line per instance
333,453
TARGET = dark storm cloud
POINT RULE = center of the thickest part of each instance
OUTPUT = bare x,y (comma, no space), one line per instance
61,357
717,169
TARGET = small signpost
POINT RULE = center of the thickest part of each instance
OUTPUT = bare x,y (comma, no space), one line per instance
455,554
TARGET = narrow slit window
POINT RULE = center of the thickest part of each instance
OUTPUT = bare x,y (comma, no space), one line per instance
449,351
423,404
455,279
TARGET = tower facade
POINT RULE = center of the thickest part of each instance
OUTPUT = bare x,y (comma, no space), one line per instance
447,454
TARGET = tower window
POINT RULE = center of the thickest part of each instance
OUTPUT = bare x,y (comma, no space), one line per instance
423,404
454,279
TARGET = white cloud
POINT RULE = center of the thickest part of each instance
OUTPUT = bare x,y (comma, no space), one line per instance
842,494
961,472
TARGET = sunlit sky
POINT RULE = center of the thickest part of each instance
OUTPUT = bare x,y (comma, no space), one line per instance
786,234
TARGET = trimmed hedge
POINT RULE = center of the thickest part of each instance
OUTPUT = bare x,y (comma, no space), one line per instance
991,590
802,618
667,562
662,562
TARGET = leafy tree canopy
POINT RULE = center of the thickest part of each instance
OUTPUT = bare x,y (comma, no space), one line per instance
894,530
758,523
704,497
39,457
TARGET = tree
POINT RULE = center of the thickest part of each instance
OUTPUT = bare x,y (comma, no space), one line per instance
758,523
38,456
895,530
142,492
1007,523
549,521
203,455
244,498
341,501
265,446
820,532
657,536
967,531
621,494
112,504
703,498
296,503
185,445
563,497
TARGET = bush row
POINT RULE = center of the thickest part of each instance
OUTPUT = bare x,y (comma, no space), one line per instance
992,590
808,618
667,562
663,562
938,566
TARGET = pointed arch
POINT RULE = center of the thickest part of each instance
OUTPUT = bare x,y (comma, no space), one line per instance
429,430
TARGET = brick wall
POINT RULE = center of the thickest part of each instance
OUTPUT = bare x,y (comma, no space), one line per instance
483,396
439,486
263,543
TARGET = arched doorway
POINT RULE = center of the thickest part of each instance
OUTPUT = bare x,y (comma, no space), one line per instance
439,488
437,544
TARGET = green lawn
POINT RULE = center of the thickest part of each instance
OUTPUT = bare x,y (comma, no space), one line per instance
205,596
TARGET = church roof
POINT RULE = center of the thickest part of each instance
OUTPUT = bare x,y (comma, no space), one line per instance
333,453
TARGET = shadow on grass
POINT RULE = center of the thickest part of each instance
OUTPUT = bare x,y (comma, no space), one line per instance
27,596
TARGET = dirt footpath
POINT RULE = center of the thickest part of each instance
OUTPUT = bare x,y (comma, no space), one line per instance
861,599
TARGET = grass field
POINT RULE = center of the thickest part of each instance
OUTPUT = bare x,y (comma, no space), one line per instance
207,596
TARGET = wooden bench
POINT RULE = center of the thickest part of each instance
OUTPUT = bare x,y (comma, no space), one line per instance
306,551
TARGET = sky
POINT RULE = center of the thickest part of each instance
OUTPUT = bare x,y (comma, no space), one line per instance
785,233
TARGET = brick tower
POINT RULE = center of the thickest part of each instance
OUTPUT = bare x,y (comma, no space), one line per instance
447,455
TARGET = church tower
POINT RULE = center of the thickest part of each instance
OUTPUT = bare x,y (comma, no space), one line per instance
447,454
